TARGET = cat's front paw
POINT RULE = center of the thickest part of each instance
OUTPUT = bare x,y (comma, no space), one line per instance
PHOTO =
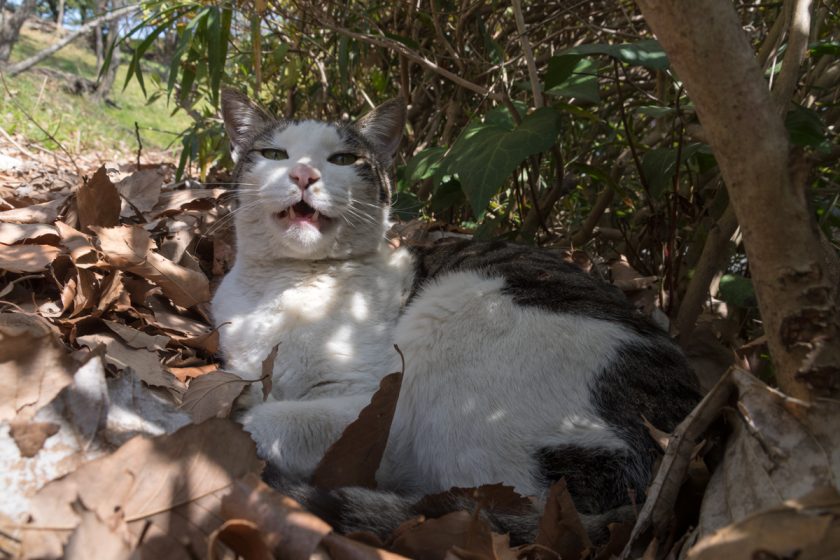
294,435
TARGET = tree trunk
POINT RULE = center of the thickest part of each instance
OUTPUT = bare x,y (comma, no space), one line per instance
711,54
10,27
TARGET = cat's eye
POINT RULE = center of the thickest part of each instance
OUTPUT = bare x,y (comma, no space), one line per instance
273,153
343,159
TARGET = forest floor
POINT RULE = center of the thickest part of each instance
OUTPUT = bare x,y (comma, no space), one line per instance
114,436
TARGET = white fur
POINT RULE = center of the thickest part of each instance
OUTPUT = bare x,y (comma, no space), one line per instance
487,382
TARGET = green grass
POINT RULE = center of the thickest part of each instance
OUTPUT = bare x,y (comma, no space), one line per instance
81,123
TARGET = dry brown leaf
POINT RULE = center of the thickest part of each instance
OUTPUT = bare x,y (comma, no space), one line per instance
460,533
354,458
113,294
86,292
94,538
149,479
142,363
30,436
141,189
174,202
241,536
288,530
494,497
560,527
212,395
177,324
34,365
209,342
15,233
80,246
27,258
43,213
98,202
185,373
131,248
343,548
136,338
808,528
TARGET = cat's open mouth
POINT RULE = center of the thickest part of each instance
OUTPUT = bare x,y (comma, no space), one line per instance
303,213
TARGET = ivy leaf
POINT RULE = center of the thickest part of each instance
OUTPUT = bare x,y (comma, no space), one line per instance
424,164
581,83
806,128
660,164
647,53
487,153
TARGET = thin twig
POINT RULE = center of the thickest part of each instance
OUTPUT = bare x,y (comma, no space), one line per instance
139,142
528,53
629,135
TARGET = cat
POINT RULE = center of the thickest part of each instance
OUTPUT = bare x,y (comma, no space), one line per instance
520,368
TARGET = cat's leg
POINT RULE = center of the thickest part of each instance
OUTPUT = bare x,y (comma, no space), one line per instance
294,435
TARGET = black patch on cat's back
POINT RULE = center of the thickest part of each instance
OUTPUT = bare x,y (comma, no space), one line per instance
533,277
647,380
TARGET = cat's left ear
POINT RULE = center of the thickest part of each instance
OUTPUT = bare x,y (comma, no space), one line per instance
242,119
383,126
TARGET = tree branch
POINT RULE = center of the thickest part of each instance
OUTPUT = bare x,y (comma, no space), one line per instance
710,52
23,65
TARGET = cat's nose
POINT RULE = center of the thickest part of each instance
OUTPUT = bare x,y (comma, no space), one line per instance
304,175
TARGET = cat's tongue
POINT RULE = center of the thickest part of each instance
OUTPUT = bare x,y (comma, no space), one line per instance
302,213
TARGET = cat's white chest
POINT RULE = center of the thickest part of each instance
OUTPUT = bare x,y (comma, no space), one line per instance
332,324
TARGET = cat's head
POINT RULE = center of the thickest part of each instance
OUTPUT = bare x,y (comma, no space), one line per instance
310,189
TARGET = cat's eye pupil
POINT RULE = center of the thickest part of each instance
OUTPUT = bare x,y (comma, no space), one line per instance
343,159
273,153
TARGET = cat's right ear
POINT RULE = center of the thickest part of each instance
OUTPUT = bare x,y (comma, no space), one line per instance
242,118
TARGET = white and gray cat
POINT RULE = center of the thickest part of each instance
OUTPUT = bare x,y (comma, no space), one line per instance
519,367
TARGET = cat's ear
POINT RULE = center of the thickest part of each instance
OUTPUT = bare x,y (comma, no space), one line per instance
383,126
242,117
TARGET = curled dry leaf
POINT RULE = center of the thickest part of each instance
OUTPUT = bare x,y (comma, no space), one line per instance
131,248
174,202
808,528
136,338
354,458
34,365
287,529
153,480
241,536
142,363
459,534
560,528
15,233
81,249
27,258
141,189
44,213
212,395
98,202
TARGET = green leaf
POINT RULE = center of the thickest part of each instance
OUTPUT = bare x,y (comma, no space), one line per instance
581,83
447,194
560,69
655,111
737,290
806,128
424,164
831,48
660,164
405,205
486,154
647,53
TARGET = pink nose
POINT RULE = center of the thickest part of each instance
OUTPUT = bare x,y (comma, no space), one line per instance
303,175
